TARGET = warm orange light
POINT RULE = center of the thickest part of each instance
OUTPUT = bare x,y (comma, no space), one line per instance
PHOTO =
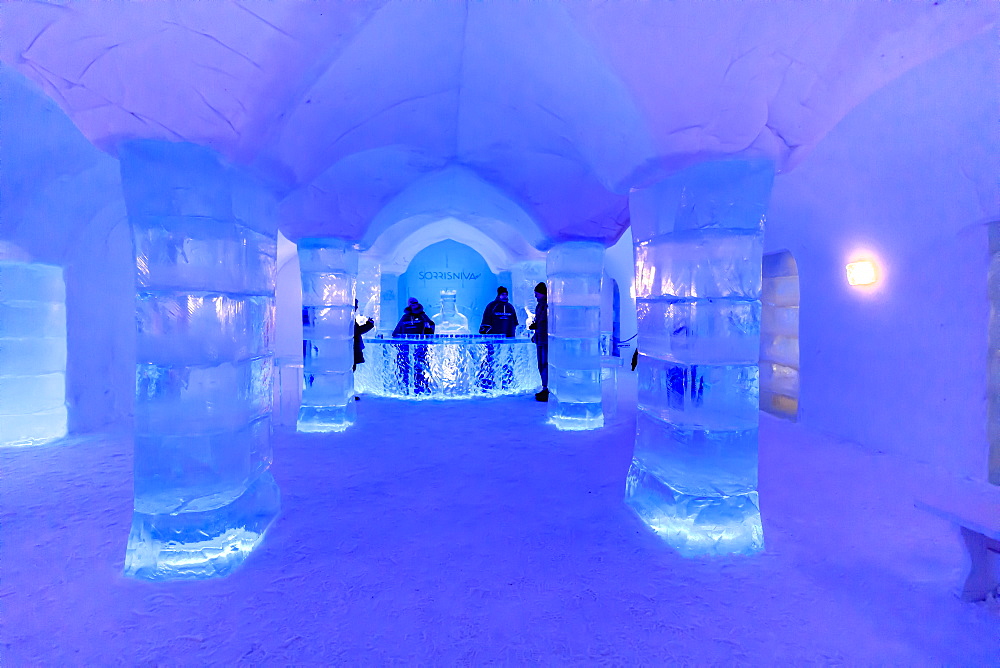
861,273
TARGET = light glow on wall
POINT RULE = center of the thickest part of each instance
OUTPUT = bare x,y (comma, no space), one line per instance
861,272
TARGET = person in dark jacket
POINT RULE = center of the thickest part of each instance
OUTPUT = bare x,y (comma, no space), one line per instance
414,322
359,330
541,338
499,316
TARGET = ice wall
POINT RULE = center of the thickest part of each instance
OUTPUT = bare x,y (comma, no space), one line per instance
699,240
61,202
205,251
908,179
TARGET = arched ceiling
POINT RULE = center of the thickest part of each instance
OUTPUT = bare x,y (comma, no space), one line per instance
560,106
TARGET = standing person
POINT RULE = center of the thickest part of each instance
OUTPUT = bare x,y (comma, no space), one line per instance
414,322
500,318
360,328
541,338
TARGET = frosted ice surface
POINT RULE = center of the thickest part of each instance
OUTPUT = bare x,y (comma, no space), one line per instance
32,353
697,460
448,320
459,368
730,195
177,252
698,283
204,372
575,289
701,263
329,268
706,330
202,327
575,257
574,321
705,395
695,525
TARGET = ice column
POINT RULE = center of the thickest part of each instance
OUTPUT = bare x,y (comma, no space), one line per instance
698,234
574,273
329,271
205,258
32,353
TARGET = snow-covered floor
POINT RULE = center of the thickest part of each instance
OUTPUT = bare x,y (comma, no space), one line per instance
469,533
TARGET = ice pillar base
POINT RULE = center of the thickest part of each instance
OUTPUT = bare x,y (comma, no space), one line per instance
695,525
204,543
322,419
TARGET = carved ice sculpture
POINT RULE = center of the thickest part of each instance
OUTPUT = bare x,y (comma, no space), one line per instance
448,320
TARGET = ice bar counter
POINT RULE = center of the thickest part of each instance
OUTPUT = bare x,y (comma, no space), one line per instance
447,366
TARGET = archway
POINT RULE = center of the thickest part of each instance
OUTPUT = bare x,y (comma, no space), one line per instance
779,336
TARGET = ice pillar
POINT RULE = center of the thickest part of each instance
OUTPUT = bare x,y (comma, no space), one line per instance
329,272
575,269
32,353
698,250
205,258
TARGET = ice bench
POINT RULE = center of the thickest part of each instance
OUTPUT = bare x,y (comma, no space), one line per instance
975,508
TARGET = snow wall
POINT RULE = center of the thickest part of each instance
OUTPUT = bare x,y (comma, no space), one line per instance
909,179
61,204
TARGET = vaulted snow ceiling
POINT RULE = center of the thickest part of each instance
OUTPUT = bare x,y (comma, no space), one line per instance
557,107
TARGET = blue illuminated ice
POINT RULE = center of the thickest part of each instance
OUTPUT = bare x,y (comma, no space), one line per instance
443,367
448,319
575,270
699,244
329,273
32,353
205,262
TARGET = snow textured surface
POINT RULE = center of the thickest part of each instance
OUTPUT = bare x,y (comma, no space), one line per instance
460,533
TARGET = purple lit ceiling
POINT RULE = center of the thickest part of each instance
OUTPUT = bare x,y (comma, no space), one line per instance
557,107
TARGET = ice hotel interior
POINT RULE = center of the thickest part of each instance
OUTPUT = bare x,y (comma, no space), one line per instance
786,214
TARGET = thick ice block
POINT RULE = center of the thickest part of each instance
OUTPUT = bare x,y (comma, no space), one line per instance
706,395
713,263
699,241
715,331
731,195
575,257
202,327
695,525
697,460
198,544
201,253
205,366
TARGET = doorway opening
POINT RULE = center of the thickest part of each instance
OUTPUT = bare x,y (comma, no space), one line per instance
779,336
